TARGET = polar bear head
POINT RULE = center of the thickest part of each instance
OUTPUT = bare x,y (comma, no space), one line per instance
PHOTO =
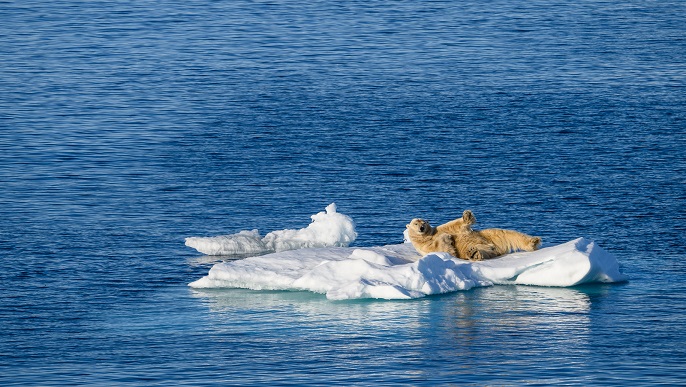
420,226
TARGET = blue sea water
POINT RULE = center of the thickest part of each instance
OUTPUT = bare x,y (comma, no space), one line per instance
126,126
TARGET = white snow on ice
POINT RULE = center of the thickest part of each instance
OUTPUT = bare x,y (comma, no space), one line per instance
398,272
328,229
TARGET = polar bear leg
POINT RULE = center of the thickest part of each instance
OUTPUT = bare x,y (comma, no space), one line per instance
510,240
481,251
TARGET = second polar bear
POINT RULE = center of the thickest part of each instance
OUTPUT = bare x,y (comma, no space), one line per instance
460,240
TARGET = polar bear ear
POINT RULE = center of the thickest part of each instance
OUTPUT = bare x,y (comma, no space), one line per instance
468,217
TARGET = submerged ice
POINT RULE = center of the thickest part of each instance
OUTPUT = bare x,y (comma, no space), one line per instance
328,229
398,272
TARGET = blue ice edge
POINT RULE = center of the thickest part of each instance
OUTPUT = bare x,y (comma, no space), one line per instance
398,272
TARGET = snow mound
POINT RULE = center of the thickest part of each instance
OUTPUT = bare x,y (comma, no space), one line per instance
328,229
398,272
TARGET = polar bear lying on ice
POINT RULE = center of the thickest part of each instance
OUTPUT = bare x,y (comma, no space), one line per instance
459,239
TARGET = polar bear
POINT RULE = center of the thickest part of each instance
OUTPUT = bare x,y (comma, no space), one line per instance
460,240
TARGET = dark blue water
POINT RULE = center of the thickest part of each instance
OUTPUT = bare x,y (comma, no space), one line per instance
126,126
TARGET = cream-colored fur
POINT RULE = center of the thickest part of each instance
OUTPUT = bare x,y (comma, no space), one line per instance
460,240
428,239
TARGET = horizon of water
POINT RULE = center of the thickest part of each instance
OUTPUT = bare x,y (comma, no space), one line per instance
126,127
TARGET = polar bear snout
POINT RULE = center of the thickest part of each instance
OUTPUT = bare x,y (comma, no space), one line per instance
422,228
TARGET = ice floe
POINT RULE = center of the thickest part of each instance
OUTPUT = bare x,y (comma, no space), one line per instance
328,228
398,272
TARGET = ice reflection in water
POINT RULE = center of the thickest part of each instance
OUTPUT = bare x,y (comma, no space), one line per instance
440,338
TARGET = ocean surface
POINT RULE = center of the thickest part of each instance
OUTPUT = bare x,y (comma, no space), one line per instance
127,126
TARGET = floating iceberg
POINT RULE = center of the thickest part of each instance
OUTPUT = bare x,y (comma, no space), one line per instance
398,272
328,228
